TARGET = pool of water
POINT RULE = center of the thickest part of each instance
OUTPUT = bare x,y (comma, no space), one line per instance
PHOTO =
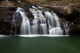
40,45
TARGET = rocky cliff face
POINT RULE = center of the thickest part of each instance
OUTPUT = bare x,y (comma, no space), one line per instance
6,15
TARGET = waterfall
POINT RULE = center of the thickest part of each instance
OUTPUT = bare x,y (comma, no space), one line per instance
66,28
44,22
25,26
13,27
34,29
50,17
33,11
44,28
39,20
56,20
54,23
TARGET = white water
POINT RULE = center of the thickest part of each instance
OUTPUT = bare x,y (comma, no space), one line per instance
13,25
33,11
57,22
56,31
43,35
44,28
39,22
42,24
54,24
50,17
25,26
34,29
66,28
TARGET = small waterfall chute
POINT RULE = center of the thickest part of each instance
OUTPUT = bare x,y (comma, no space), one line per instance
33,11
56,20
50,18
39,20
54,24
43,28
34,29
25,26
66,28
13,27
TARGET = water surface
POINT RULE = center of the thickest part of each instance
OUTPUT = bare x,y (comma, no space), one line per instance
40,45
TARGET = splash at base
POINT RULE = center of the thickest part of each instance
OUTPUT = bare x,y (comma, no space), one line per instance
43,36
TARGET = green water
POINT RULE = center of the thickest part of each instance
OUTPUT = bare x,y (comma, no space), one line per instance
40,45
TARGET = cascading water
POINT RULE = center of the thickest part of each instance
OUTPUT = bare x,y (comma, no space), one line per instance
13,27
25,26
54,23
44,22
44,28
50,18
66,28
34,29
40,23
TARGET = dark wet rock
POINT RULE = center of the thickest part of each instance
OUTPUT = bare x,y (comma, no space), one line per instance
6,18
5,27
75,30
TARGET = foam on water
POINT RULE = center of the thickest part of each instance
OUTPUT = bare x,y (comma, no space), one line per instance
43,35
